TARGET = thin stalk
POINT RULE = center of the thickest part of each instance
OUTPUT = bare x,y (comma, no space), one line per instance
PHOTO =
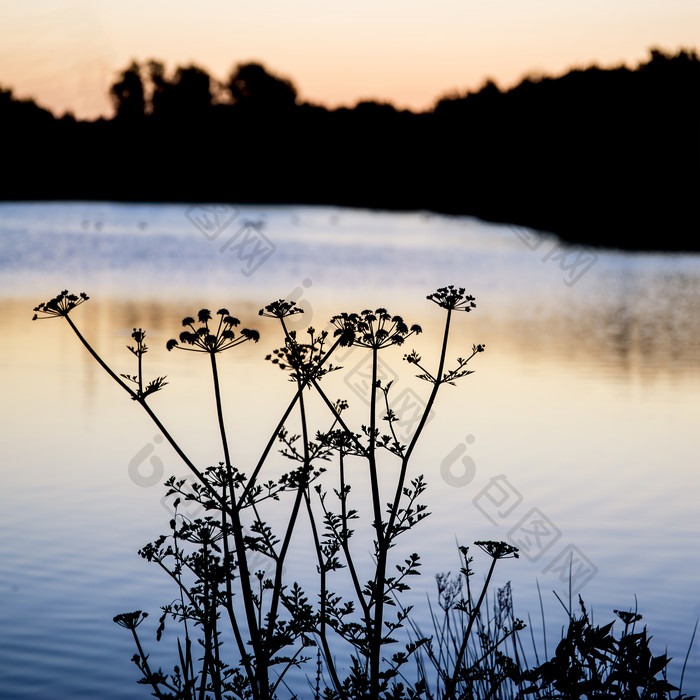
344,541
217,657
266,538
280,425
383,549
148,410
687,656
219,410
282,674
248,596
140,372
187,670
338,418
100,361
544,626
382,541
277,587
371,453
324,596
421,424
205,626
177,580
449,687
211,596
249,485
240,546
229,598
144,660
186,666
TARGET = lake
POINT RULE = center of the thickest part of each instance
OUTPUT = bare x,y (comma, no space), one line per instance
576,438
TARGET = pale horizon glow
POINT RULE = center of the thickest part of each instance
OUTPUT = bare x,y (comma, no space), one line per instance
66,53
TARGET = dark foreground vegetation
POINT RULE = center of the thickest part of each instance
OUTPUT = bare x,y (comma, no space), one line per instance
607,157
240,624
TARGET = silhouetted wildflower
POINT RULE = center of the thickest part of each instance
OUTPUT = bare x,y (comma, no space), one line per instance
141,348
303,359
280,309
138,335
372,329
449,590
453,298
132,620
216,560
205,532
60,305
202,339
342,441
498,550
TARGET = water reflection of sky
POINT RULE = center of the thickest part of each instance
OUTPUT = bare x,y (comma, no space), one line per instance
586,401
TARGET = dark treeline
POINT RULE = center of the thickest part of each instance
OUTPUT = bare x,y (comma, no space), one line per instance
600,156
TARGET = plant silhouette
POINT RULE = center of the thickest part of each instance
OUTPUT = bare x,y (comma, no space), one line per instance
242,623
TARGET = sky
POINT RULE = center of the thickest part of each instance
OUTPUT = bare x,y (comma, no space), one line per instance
66,53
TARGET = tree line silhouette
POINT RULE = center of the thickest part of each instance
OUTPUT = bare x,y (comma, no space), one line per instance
599,156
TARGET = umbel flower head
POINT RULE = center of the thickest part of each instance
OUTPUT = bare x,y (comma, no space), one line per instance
130,621
498,550
453,298
60,305
280,309
203,339
372,329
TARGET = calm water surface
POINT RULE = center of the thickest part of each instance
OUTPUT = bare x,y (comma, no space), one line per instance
577,434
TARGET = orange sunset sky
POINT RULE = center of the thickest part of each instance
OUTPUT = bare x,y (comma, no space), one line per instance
66,53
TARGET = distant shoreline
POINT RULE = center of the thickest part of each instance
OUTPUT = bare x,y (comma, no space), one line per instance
608,158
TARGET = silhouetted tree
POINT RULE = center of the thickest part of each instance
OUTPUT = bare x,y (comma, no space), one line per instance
603,156
186,97
256,90
128,94
191,90
21,114
158,86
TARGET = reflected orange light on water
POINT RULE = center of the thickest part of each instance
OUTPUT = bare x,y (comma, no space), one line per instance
530,366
